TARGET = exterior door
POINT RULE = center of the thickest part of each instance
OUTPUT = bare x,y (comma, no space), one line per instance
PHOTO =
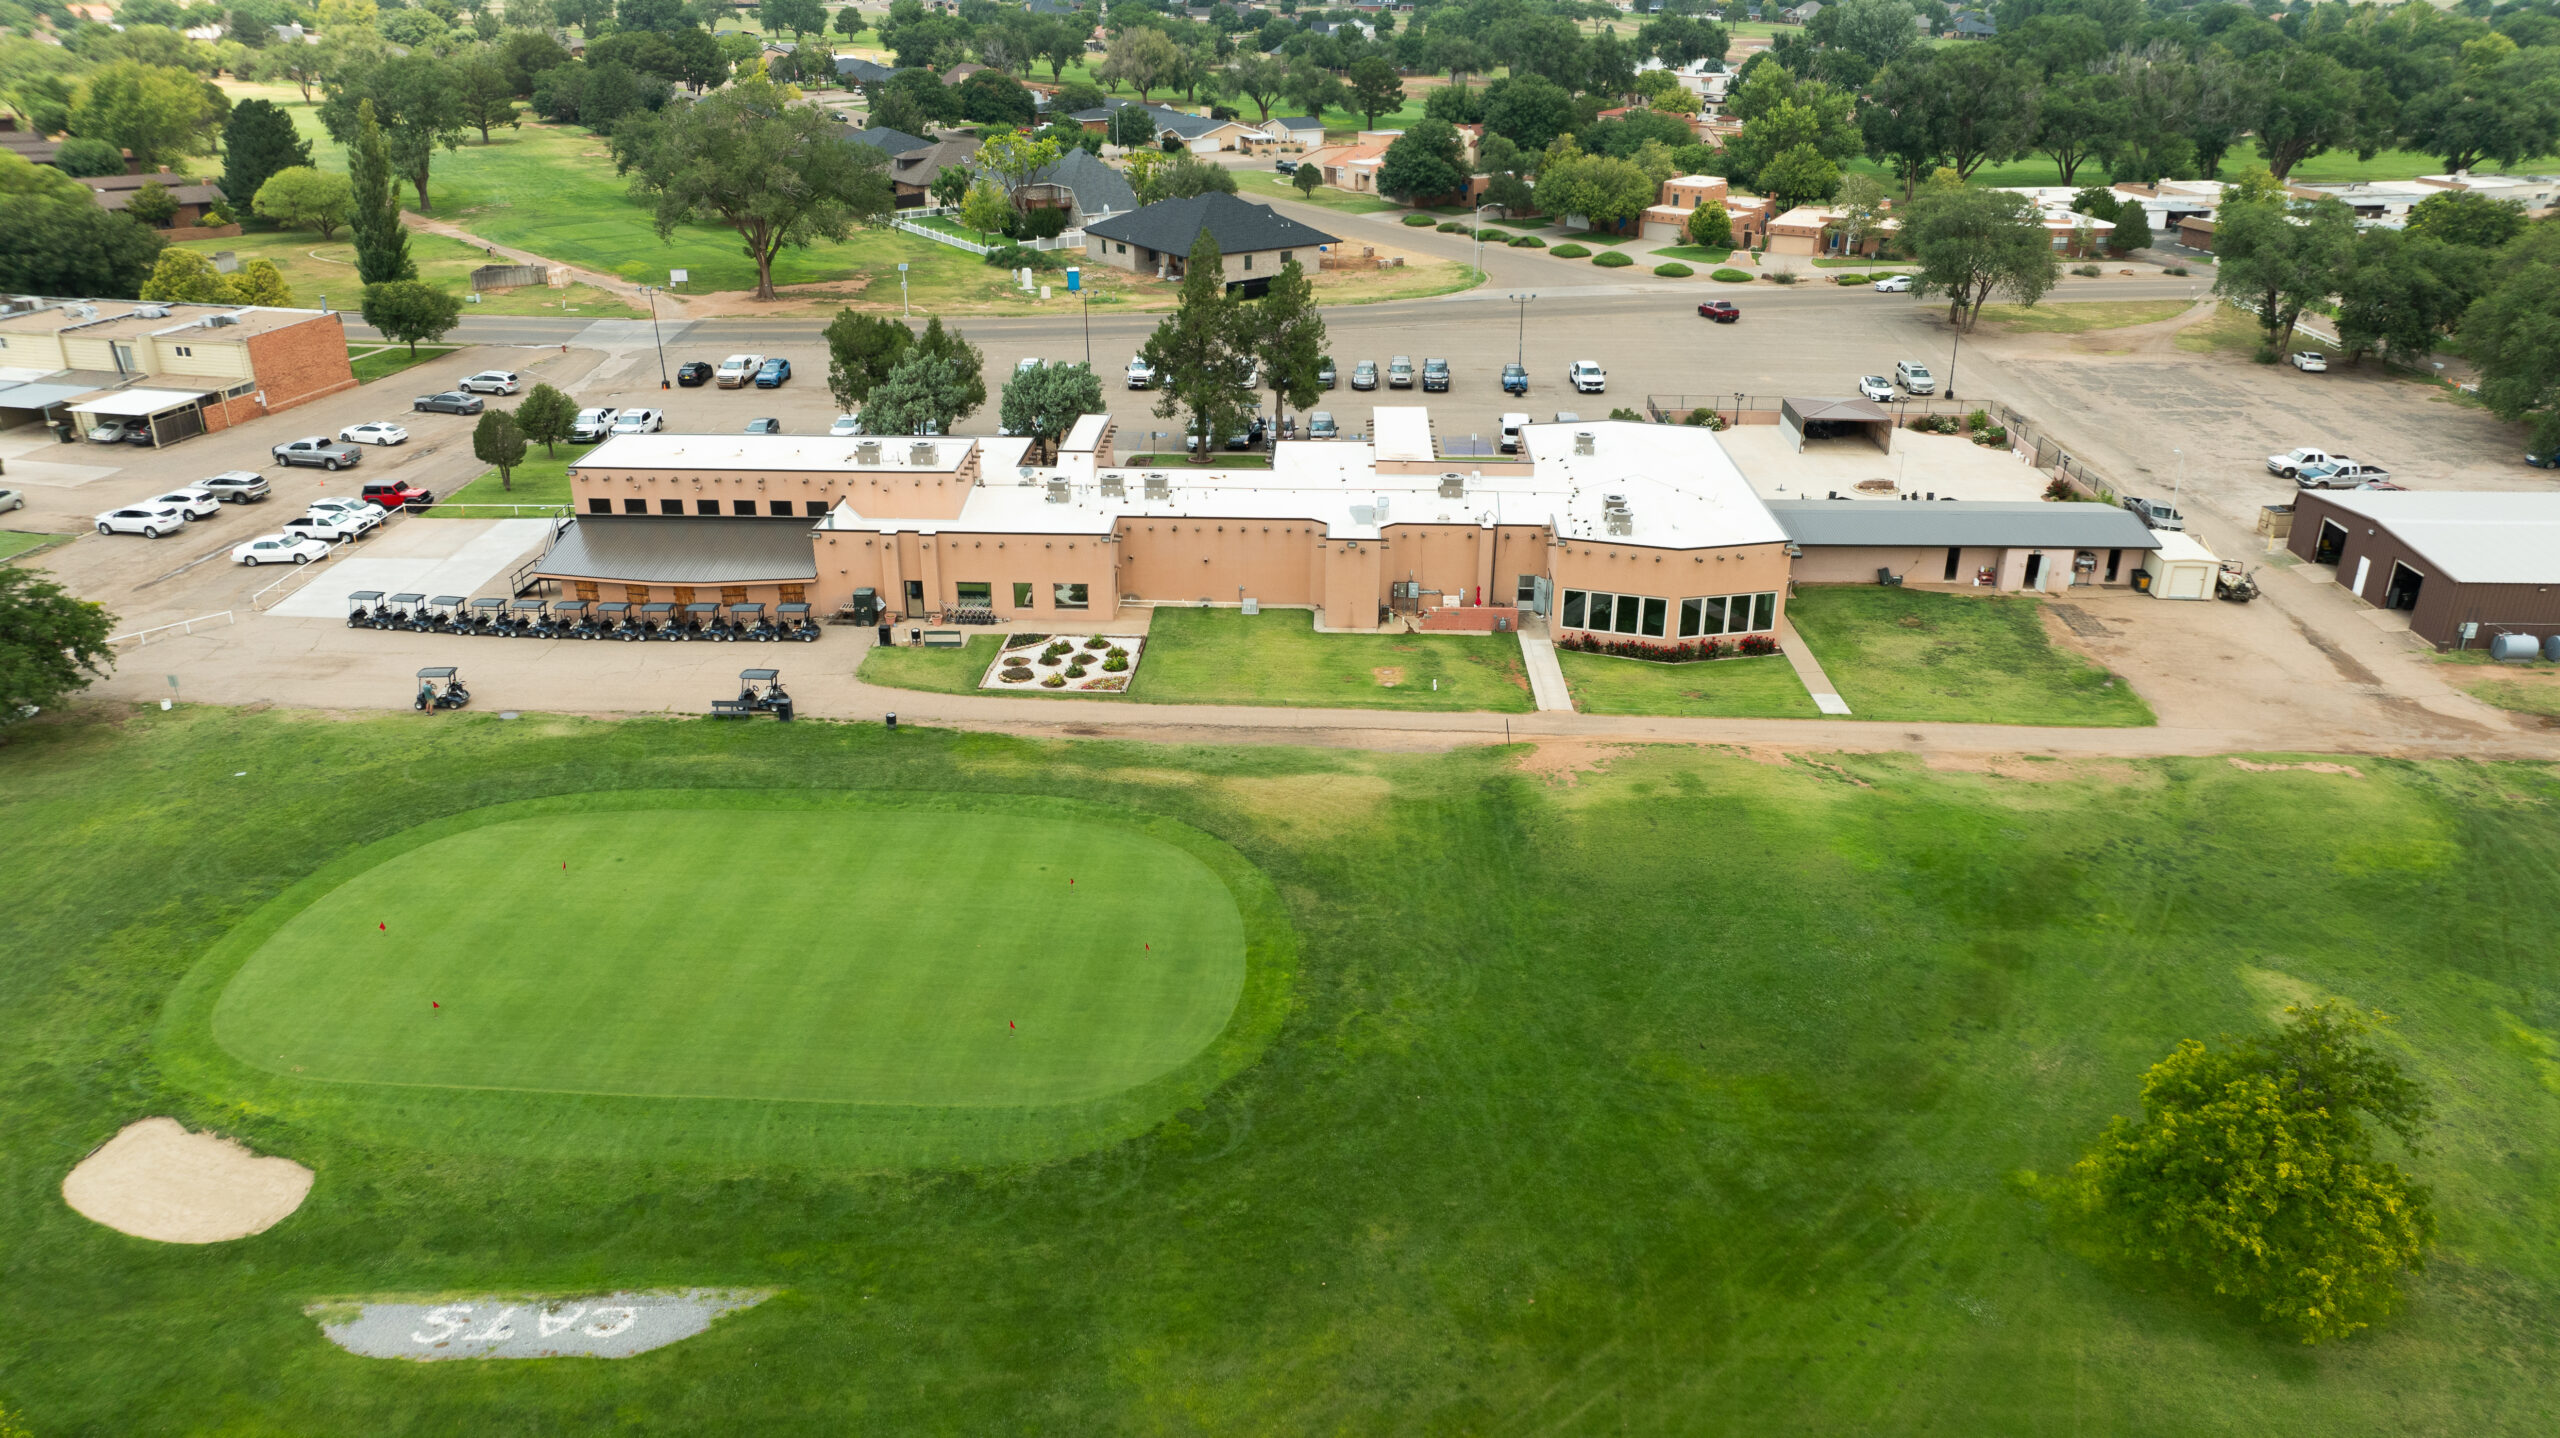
915,599
2333,541
1545,601
2364,566
2035,569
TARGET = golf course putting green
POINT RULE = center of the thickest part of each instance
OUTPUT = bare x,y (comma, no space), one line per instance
925,957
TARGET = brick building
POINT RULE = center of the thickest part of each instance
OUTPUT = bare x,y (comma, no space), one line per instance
187,368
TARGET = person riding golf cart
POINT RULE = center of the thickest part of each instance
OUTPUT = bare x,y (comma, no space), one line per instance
793,621
747,621
365,610
440,688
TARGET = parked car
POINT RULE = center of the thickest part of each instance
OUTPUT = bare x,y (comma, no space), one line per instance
1400,373
1914,377
1364,375
1285,166
737,370
1566,416
493,381
398,494
2292,462
2156,514
1435,376
318,450
121,431
2548,459
1026,366
846,424
1320,425
1142,375
764,426
1875,387
379,431
1588,377
364,514
1512,425
279,549
639,421
1723,312
452,401
694,374
148,520
11,499
1324,374
591,425
773,373
1515,379
327,528
2339,474
2310,361
1894,285
237,486
195,503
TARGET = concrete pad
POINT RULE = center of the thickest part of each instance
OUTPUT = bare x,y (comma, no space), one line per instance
1941,464
1830,703
1546,674
446,556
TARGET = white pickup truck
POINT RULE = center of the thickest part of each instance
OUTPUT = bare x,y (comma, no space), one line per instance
1588,377
2292,462
737,370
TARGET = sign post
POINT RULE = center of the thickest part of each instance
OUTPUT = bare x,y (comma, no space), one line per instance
902,291
1075,286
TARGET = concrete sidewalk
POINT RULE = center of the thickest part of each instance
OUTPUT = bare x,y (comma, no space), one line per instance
1546,675
1826,695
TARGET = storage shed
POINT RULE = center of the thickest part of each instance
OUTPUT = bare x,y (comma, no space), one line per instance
2467,565
2181,568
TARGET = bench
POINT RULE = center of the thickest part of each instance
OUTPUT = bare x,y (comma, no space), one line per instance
945,639
731,709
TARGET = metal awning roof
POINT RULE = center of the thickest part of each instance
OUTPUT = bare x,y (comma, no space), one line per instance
42,396
642,549
2005,524
136,403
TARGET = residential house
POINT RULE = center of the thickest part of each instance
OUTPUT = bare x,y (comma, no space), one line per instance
912,174
2066,226
1801,14
1303,132
961,71
1083,186
1098,120
1255,240
1816,230
1051,7
891,143
194,197
185,368
1668,219
1198,133
1353,166
28,145
854,70
1973,25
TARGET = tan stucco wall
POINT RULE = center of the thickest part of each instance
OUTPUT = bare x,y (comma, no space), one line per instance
853,559
913,494
1673,574
1926,566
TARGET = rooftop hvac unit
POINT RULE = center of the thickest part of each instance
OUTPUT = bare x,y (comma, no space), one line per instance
1453,486
1158,487
1115,486
1615,515
1057,491
153,312
218,321
920,453
1364,514
1583,442
1382,509
867,452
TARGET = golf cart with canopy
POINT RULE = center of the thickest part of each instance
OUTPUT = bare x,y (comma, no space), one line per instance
657,621
488,616
532,620
747,621
613,620
701,621
759,692
570,620
409,611
444,615
440,688
365,610
792,621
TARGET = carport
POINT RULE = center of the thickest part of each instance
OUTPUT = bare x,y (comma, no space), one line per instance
40,400
174,414
1820,419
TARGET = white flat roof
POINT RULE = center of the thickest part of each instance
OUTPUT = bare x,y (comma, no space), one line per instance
2473,536
788,452
1403,431
1085,435
2178,544
137,401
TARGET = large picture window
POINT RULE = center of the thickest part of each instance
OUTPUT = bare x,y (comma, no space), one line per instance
1070,596
1616,613
1728,614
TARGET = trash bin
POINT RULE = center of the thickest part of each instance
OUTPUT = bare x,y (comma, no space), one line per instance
893,721
782,709
888,636
2142,580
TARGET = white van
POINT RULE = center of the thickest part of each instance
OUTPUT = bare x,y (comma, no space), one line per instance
1512,424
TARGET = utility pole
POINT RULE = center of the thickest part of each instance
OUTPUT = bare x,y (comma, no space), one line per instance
1520,351
652,292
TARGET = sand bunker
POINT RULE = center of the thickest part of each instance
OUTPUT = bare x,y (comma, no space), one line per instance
156,1180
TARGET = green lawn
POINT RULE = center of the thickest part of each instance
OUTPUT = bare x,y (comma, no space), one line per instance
2529,688
318,270
2084,316
1762,688
1220,656
1911,655
915,995
2337,165
1694,254
1271,184
540,481
373,362
14,542
1660,1090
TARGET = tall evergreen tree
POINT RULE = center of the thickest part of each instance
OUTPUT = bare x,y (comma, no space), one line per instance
257,142
1284,331
1195,349
382,246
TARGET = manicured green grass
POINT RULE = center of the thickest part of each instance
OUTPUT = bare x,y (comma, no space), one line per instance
373,362
541,481
954,228
1655,1090
1271,184
2082,317
1695,254
14,542
1018,961
1909,654
316,269
1760,688
1221,656
2229,331
2337,165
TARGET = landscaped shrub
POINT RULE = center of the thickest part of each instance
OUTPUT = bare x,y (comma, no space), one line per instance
1978,420
1025,641
1495,237
1060,647
1570,251
1732,276
1692,651
1782,277
1051,661
1075,671
1851,279
1452,227
1116,663
1993,437
1611,260
1054,681
1934,424
1528,242
1097,642
1705,419
1118,653
2090,272
2174,270
1758,644
1015,674
1673,270
1419,218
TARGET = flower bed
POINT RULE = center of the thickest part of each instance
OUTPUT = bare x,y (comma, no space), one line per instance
1694,651
1073,663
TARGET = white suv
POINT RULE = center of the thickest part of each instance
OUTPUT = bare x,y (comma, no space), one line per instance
1914,377
738,370
492,381
1589,378
148,520
1142,375
195,503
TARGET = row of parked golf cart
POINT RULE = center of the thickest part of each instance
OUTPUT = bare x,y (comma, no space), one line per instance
500,618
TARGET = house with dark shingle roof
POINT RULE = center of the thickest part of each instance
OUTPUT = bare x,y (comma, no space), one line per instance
1255,240
1076,181
1198,133
891,143
854,70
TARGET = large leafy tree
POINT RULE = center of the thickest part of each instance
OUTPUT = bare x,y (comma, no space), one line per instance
802,18
407,311
2464,217
305,198
2253,1170
485,91
1528,110
382,245
2403,292
1198,351
258,143
1973,243
777,173
1143,58
1043,403
2311,104
2150,97
1285,333
499,441
417,101
1424,162
546,414
1963,106
861,351
2513,333
1375,89
71,247
2070,125
51,643
158,112
1779,113
2499,104
2275,256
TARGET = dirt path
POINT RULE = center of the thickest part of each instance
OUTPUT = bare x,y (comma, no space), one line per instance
670,307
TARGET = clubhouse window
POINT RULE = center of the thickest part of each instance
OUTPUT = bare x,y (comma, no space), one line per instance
706,506
1068,596
598,504
671,506
974,595
1021,595
1635,614
635,506
742,506
1728,614
815,509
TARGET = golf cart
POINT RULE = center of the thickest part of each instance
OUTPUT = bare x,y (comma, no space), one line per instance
532,620
408,611
365,610
793,621
2235,584
487,617
657,621
569,620
747,621
701,621
441,615
759,692
440,688
613,620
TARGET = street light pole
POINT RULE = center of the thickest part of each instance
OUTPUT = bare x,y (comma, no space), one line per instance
652,292
1520,354
1955,346
1478,217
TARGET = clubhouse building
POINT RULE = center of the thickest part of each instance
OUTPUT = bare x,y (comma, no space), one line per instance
1647,531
